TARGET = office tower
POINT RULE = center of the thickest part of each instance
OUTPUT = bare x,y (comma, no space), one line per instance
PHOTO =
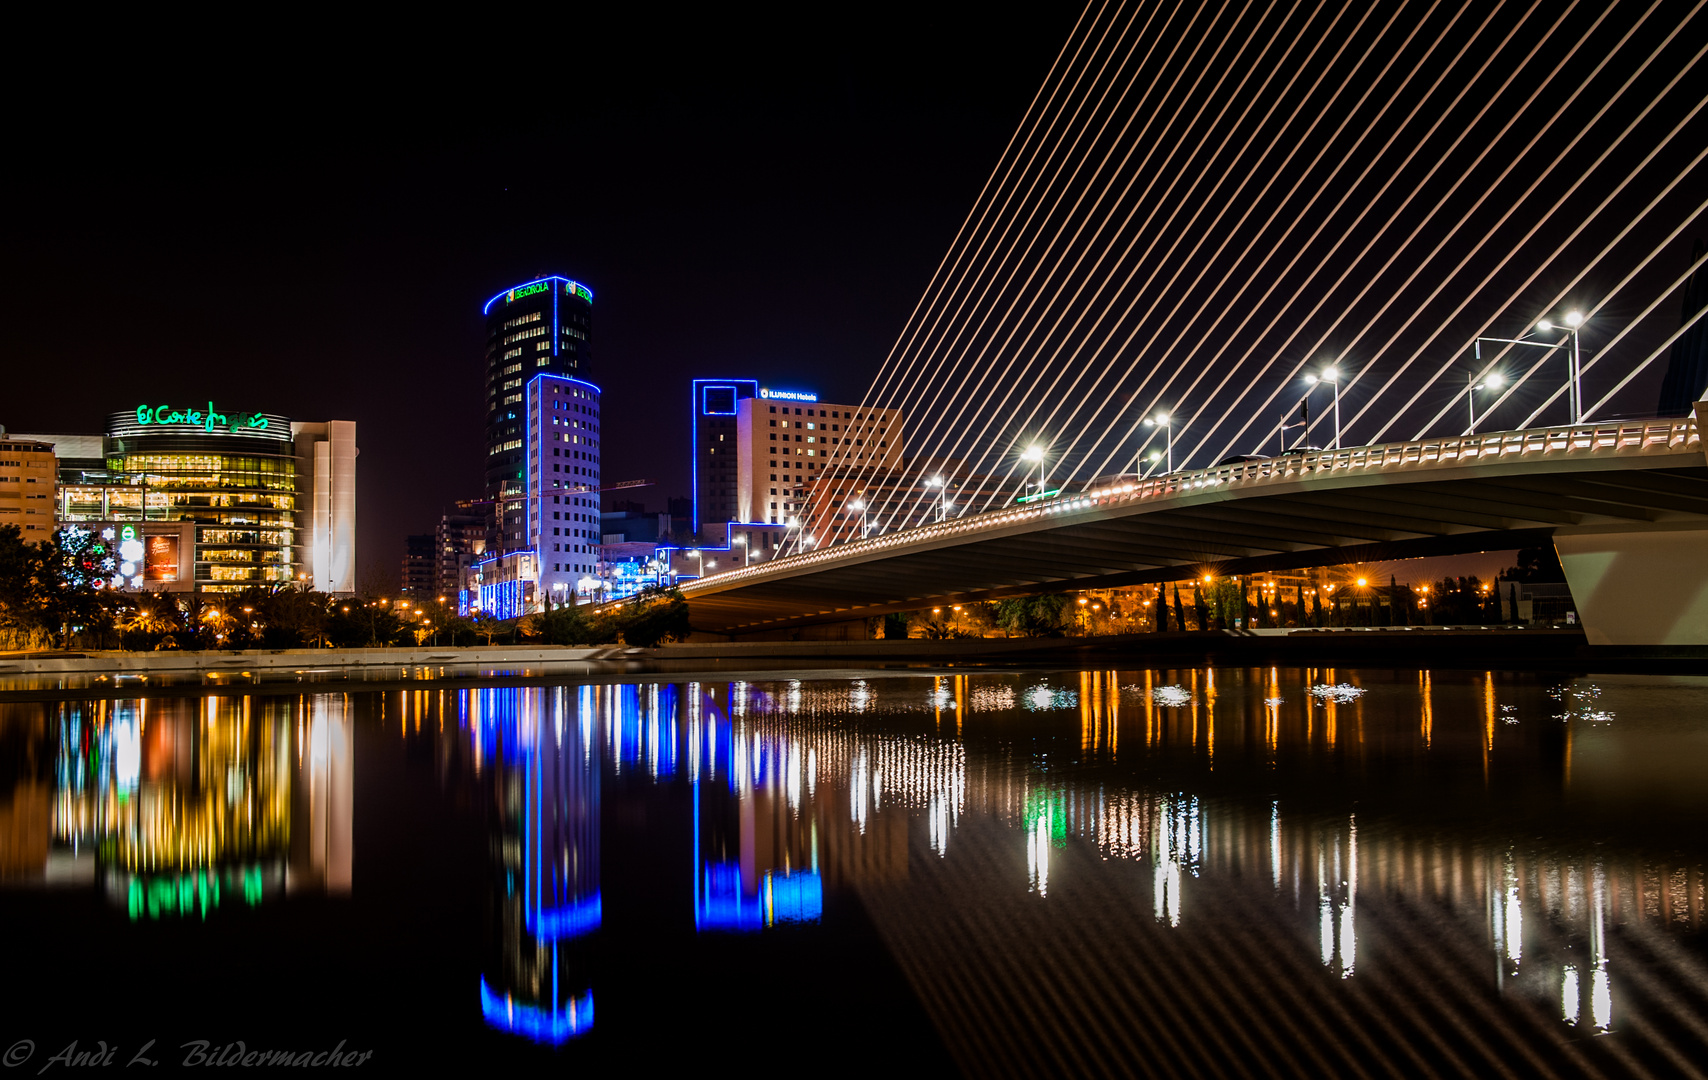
541,327
561,486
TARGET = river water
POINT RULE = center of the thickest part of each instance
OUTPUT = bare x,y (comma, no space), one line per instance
1191,872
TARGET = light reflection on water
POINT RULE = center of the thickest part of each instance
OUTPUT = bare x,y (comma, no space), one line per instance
1426,842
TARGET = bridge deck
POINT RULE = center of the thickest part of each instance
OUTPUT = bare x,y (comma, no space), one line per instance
1433,496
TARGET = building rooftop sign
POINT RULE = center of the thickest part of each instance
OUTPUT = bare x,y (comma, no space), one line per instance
534,288
787,395
203,419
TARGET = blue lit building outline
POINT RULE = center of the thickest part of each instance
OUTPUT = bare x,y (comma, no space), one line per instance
694,404
487,309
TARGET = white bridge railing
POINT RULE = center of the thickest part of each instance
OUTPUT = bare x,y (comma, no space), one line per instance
1630,438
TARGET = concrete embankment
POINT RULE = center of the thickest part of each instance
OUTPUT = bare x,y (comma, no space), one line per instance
31,674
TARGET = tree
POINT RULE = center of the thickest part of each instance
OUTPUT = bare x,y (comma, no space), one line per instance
1512,601
23,590
1160,611
1317,608
1179,610
1199,609
484,625
76,564
1033,616
155,617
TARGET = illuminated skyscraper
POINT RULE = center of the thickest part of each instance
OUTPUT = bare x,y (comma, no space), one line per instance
541,327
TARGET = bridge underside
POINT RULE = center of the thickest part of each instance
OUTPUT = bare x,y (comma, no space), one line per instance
1311,523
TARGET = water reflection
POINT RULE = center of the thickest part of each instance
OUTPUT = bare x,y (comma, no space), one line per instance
1191,864
174,807
541,749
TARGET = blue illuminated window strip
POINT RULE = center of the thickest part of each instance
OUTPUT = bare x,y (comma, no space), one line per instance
502,293
553,1026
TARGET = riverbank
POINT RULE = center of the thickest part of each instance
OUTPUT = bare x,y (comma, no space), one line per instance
29,675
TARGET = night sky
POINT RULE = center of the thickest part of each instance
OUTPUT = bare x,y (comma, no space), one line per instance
307,218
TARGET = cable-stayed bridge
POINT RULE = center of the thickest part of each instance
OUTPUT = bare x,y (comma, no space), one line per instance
1626,504
1230,230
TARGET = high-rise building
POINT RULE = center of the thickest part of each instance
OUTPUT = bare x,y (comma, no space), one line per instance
541,327
744,472
561,517
418,565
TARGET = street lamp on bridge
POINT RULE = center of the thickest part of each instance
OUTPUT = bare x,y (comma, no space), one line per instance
1034,454
865,521
1569,323
1163,421
1492,382
942,496
1330,375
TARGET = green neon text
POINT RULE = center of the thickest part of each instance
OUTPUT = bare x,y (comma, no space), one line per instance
206,419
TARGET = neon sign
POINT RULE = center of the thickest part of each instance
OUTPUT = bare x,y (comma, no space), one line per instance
206,419
787,395
1039,495
574,289
528,290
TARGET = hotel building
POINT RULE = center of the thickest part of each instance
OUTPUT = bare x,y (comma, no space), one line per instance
541,327
215,501
758,450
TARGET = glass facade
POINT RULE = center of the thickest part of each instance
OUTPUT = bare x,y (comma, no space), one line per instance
239,491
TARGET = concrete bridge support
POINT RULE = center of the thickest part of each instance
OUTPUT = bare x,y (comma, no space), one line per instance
1644,586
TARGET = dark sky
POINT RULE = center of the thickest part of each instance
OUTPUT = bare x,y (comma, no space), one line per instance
307,218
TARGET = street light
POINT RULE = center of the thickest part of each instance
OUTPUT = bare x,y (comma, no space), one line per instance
1570,322
1330,375
1034,454
747,558
1163,421
1492,382
943,496
865,521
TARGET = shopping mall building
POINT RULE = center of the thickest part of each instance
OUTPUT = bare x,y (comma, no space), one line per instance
205,498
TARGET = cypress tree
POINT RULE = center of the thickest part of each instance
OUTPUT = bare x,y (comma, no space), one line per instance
1512,600
1179,610
1317,608
1299,606
1159,609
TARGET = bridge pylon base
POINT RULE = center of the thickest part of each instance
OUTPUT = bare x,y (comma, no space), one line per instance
1644,586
